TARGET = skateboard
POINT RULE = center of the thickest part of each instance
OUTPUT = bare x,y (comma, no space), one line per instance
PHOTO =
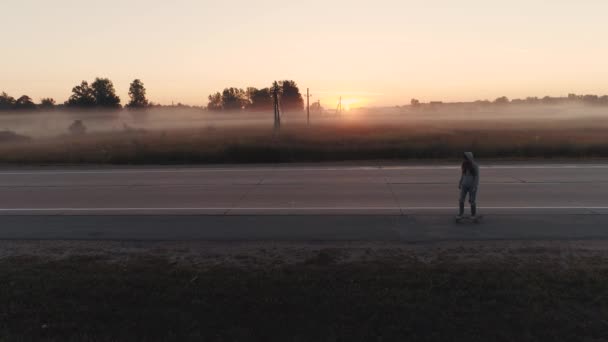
463,219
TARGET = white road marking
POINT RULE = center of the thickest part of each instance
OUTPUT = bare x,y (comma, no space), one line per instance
275,184
296,169
293,208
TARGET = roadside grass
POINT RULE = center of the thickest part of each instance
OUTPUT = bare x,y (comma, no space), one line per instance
153,299
328,142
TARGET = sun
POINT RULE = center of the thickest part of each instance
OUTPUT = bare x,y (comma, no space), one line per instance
349,103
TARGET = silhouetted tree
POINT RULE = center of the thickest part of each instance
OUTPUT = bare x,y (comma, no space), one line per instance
104,93
259,99
414,103
573,97
291,99
47,103
316,107
215,102
25,102
532,100
82,96
591,99
233,99
6,101
249,92
502,100
137,93
77,128
482,102
550,100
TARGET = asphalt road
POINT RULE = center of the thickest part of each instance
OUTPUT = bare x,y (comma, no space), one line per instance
409,203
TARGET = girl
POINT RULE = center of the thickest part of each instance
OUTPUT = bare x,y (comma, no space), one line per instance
469,183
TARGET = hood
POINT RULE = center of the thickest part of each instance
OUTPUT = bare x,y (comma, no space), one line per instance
469,156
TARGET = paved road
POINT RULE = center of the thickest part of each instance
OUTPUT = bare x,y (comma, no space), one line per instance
411,203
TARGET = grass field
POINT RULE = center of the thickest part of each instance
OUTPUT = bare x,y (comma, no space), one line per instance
272,292
328,142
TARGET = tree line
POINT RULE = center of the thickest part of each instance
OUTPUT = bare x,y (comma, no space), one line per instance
100,94
586,99
258,100
503,100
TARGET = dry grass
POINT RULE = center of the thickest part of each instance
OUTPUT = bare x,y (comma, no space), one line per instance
473,292
329,142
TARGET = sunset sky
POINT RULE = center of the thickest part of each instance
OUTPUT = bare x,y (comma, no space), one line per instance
371,52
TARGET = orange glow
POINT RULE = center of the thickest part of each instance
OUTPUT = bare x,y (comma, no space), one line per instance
407,49
348,103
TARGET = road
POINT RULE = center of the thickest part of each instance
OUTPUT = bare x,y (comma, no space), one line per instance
408,203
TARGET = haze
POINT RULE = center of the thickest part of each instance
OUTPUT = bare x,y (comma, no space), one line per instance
373,53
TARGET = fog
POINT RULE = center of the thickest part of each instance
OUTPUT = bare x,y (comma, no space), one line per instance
55,123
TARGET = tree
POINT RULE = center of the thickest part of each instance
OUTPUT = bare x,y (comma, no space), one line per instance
82,96
573,97
77,128
137,93
233,99
502,100
316,107
482,102
25,102
6,101
104,93
215,102
291,99
249,94
5,98
414,103
259,99
532,100
592,99
47,103
549,100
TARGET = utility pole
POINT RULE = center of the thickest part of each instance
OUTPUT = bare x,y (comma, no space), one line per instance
339,109
307,106
277,110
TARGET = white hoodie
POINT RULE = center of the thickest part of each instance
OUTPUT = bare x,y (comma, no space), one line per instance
468,179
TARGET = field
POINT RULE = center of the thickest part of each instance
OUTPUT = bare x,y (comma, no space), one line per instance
130,291
185,136
329,141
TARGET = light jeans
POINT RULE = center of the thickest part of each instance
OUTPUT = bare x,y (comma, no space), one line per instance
468,189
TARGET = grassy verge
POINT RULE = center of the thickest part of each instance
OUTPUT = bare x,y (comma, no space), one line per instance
326,295
299,143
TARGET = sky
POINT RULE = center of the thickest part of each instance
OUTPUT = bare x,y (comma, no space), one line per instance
373,53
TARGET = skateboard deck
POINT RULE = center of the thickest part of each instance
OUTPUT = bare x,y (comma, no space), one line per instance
463,219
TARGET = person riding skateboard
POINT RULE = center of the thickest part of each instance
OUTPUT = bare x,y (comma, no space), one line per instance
468,185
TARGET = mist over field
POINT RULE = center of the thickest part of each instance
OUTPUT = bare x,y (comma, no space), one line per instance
194,135
55,123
